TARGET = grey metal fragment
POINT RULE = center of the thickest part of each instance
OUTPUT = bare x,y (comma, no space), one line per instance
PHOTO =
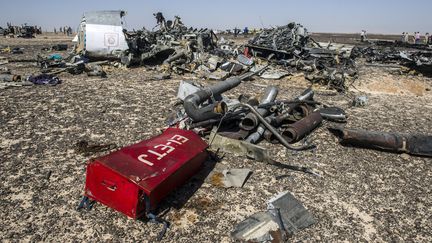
235,177
245,60
284,215
273,74
238,147
294,215
260,227
186,88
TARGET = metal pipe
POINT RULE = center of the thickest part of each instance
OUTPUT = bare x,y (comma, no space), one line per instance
273,130
215,110
393,142
251,121
192,102
256,136
299,111
306,95
298,130
228,117
270,137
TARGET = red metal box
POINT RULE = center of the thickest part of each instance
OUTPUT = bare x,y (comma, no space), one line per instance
152,168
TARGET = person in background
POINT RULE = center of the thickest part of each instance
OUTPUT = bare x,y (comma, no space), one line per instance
406,37
427,37
246,31
55,31
363,35
61,29
417,38
403,37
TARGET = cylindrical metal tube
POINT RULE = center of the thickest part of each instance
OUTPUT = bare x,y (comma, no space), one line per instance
256,136
193,101
273,130
270,137
298,130
375,140
306,95
251,121
394,142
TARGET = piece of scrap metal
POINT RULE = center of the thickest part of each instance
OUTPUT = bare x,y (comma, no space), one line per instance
237,147
251,151
285,216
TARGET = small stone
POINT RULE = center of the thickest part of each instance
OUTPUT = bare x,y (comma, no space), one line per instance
405,156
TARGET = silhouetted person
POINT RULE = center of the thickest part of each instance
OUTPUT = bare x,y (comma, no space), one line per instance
236,31
417,37
246,31
363,35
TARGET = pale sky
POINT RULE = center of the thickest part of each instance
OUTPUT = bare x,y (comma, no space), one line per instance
375,16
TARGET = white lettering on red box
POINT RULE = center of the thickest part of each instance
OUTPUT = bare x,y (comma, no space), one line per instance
162,150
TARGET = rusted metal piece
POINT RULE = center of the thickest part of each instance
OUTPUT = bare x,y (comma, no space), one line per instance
269,137
273,130
298,130
293,112
393,142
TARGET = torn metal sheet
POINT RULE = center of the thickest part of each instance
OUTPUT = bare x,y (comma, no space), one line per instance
251,151
231,67
245,60
185,89
100,33
229,177
285,216
260,227
343,49
213,62
237,147
218,75
274,74
235,177
293,214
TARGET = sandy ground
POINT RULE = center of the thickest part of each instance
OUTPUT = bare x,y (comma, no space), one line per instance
363,195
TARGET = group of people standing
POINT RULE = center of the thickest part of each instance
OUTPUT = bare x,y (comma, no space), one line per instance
417,37
15,29
66,30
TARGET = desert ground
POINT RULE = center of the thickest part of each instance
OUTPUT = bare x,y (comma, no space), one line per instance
362,196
